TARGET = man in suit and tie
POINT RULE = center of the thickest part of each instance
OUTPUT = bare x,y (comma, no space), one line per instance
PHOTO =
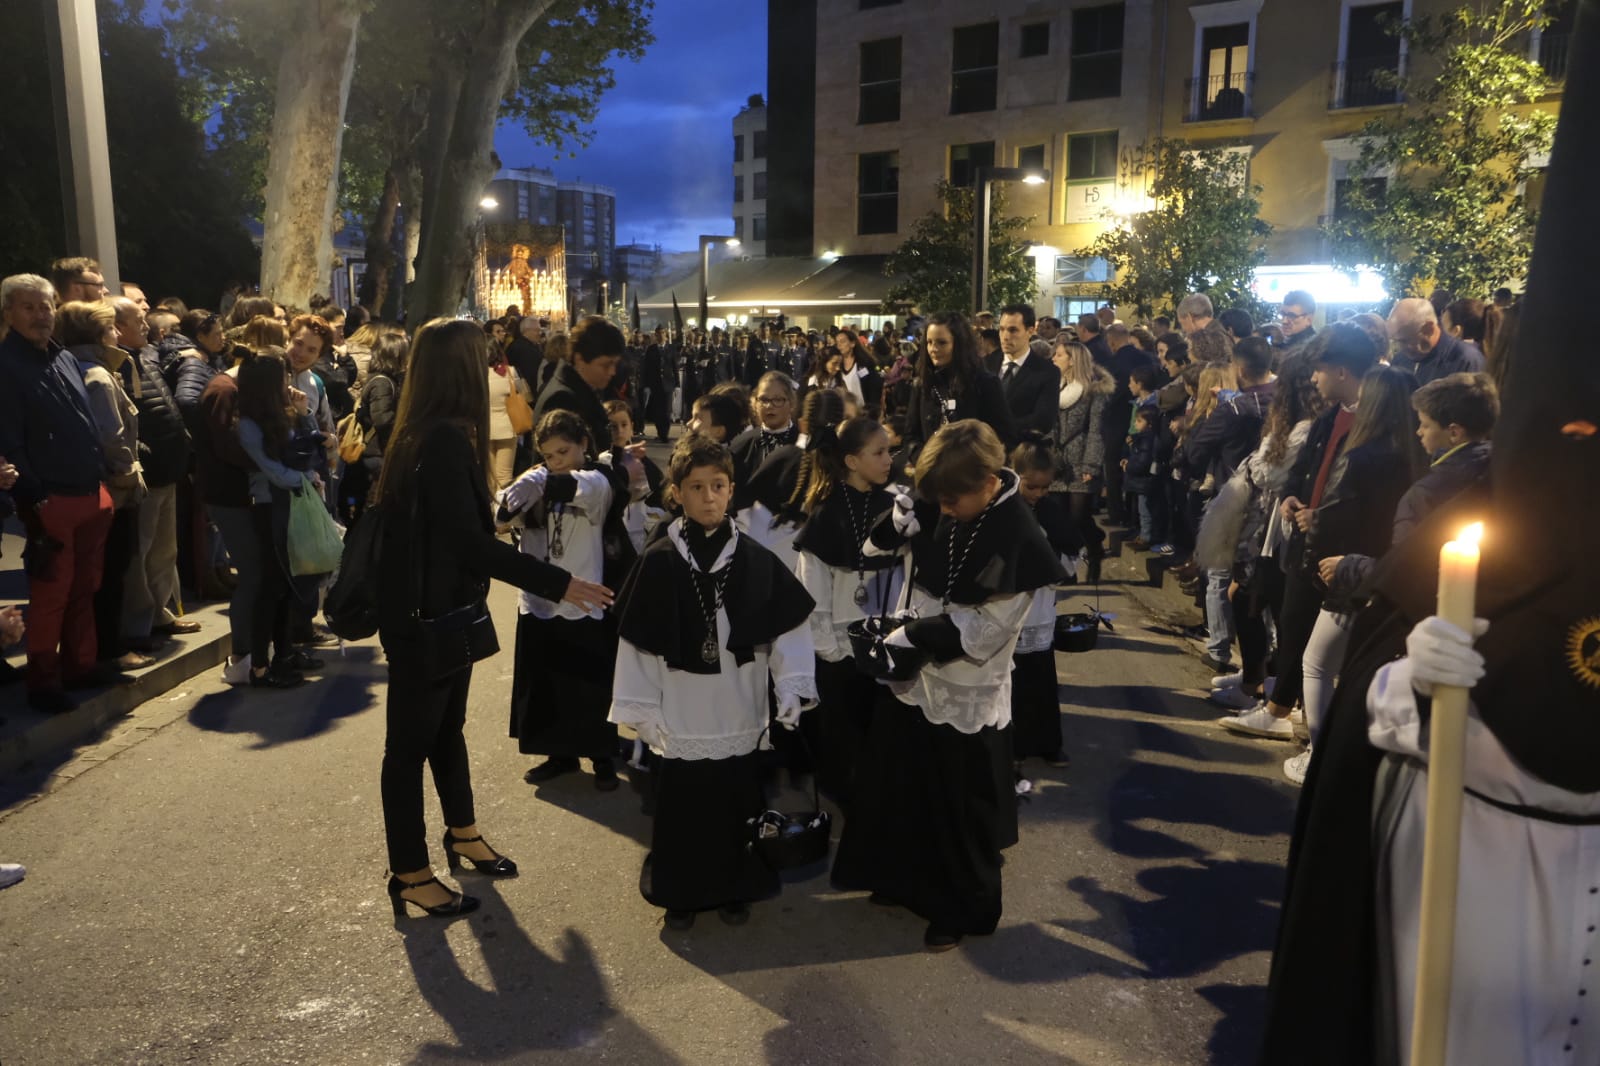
1029,381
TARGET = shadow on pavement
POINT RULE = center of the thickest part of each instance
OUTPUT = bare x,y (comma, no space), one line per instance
1236,1040
535,1002
281,717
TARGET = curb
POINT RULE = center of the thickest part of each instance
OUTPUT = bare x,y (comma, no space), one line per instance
51,734
1149,580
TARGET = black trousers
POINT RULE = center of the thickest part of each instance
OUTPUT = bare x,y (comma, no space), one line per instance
1250,606
1302,599
1116,505
424,721
270,613
122,544
1080,508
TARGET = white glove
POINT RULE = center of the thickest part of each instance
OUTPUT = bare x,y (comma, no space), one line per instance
789,711
1442,654
898,639
524,491
905,515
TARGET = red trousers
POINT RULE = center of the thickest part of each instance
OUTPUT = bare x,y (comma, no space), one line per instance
61,637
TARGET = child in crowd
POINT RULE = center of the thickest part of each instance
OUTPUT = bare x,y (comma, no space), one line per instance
1144,382
704,616
926,829
765,506
896,428
841,492
721,416
565,655
1140,471
1035,703
643,511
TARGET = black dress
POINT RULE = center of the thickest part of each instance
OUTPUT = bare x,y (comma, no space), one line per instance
1035,695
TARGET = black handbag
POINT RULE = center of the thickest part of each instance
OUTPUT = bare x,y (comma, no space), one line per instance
790,840
450,642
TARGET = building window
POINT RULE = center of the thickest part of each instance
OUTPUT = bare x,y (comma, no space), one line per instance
1221,87
738,226
866,4
878,192
1092,156
1371,59
1035,40
738,148
965,159
758,185
974,68
758,144
1096,67
880,81
758,227
1031,157
1343,188
738,188
523,207
1550,43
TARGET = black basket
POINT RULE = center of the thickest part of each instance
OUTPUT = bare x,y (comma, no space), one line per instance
1077,632
875,658
787,841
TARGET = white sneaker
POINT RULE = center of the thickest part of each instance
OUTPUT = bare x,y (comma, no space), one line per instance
236,671
1233,696
1233,680
1297,719
11,873
1258,722
1294,768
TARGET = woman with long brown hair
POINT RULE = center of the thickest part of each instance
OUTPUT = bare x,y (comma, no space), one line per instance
438,553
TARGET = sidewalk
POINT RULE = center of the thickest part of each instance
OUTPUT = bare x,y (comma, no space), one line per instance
32,743
1148,579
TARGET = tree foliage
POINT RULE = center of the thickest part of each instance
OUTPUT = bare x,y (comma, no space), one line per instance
1202,233
179,229
1457,153
936,259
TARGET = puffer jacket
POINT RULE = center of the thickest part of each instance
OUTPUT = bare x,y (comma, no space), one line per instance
164,447
1078,439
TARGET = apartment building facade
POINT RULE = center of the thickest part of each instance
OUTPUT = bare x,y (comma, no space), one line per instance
750,177
907,93
587,211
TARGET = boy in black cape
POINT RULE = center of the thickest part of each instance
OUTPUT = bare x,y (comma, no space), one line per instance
936,803
703,618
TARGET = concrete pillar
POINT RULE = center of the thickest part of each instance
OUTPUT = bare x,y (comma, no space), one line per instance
86,177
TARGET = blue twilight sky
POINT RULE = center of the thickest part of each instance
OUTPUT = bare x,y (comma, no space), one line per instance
663,136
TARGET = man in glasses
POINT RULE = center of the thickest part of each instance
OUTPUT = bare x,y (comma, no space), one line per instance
1298,310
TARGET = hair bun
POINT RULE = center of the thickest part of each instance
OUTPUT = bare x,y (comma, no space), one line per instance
1032,436
823,439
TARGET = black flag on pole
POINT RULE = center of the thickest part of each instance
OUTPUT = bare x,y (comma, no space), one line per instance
677,318
633,315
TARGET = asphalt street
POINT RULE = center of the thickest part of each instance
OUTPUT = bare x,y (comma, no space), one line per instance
207,886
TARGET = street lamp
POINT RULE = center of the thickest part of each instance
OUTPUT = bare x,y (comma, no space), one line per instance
980,222
706,241
488,203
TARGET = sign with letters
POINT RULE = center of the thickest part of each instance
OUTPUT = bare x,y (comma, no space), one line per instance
1088,201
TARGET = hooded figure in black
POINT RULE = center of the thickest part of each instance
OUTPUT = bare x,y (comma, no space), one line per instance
1527,939
938,804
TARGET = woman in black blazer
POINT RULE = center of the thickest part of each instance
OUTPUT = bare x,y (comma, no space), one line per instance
951,385
436,467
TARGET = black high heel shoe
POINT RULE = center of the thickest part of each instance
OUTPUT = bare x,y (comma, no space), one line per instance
499,866
459,904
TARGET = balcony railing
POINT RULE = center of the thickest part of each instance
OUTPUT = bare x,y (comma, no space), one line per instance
1362,83
1553,53
1221,96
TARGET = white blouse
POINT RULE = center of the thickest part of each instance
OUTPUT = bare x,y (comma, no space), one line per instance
756,522
582,546
684,715
973,691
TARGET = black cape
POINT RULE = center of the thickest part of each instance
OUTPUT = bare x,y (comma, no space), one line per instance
828,533
772,484
659,609
1010,554
752,447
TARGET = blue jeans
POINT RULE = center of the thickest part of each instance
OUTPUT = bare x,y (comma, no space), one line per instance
1219,615
1147,519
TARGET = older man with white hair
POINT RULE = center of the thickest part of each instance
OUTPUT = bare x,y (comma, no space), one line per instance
47,433
1421,347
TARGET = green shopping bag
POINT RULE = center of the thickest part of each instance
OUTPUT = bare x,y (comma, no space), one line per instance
314,541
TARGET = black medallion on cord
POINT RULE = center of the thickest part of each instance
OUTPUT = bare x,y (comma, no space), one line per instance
710,651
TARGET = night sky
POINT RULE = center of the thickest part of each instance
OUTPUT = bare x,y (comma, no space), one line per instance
664,136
